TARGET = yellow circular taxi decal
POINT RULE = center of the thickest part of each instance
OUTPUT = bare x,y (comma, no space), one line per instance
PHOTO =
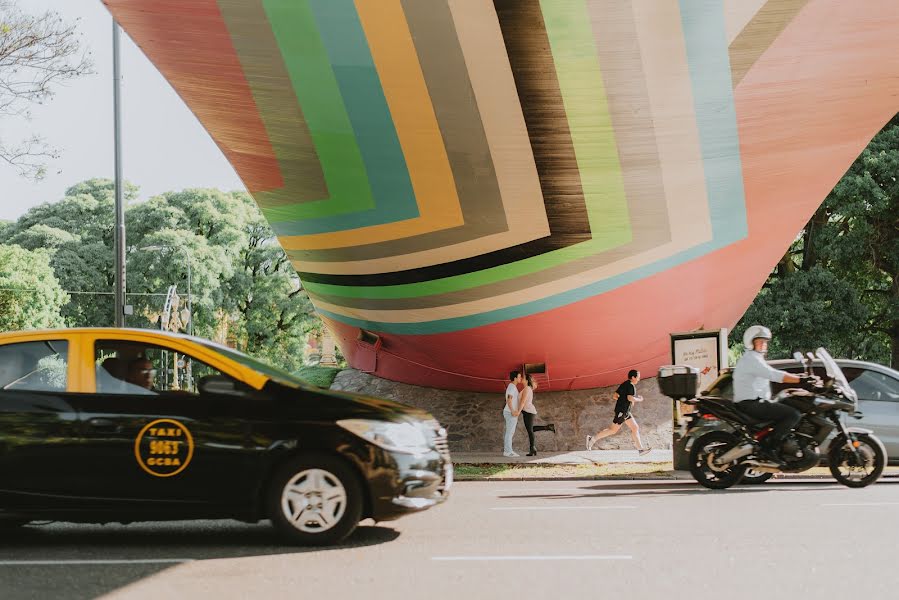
164,447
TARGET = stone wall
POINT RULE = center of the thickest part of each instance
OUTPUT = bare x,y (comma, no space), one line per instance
475,424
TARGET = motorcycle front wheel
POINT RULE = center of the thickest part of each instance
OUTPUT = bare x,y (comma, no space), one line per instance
702,457
860,468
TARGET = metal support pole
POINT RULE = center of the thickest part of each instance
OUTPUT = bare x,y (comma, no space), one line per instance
190,303
119,198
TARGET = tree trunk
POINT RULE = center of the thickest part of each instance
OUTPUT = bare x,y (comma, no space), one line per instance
809,237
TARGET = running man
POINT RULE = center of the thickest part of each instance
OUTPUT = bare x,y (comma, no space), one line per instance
625,396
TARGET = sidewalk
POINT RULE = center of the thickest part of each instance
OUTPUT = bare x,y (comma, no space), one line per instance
574,457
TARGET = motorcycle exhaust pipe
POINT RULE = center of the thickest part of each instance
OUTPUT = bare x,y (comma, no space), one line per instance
761,468
734,453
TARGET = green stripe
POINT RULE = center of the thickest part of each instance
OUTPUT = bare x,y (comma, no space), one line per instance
589,119
316,88
581,83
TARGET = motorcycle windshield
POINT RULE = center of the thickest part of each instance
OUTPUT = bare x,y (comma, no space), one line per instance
835,373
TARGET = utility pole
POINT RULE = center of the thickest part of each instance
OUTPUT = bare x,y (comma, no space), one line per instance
119,196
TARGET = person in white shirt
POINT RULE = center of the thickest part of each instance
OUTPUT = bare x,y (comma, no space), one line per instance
511,410
529,412
752,389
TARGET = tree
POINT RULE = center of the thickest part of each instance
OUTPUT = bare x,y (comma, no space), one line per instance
79,230
244,289
276,314
806,310
862,241
36,53
30,295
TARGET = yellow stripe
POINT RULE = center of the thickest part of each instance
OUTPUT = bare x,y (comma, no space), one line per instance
393,52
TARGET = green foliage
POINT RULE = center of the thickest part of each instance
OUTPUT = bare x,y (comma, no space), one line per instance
322,377
244,290
30,295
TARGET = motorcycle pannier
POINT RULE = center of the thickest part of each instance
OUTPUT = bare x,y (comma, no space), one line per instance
679,381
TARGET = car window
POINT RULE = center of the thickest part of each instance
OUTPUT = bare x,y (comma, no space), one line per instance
872,385
34,366
133,368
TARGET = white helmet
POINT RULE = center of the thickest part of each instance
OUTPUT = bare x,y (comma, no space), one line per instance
753,333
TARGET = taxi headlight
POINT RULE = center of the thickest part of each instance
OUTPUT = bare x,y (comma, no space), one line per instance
397,437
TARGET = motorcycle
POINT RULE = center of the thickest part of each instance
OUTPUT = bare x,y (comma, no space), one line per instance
856,457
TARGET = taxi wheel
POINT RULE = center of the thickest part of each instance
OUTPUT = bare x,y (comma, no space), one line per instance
315,500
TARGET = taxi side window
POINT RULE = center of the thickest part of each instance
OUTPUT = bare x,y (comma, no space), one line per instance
34,366
144,369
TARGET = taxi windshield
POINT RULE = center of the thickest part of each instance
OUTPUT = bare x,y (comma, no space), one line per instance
257,365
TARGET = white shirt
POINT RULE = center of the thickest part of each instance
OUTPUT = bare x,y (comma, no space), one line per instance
511,390
753,377
528,402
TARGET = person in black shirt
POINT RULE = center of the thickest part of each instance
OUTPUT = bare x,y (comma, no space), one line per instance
625,397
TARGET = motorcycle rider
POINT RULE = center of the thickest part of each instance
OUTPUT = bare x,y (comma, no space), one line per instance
752,390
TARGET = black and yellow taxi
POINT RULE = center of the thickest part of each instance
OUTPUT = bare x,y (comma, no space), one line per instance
124,425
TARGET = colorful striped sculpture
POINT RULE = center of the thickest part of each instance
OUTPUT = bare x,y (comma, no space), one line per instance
465,186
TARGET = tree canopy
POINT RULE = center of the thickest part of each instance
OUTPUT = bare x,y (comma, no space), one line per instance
37,52
243,289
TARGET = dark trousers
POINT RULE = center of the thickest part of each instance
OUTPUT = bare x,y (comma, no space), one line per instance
786,418
529,425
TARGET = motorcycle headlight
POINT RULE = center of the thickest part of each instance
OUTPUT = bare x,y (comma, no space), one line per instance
396,437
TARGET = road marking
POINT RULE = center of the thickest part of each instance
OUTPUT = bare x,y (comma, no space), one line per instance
562,507
865,504
545,491
138,561
538,557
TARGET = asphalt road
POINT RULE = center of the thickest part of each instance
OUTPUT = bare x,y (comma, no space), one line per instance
558,540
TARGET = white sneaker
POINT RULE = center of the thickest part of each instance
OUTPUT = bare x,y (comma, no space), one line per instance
644,451
511,454
589,442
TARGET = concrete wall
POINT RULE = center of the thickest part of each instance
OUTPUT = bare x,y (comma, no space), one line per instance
474,420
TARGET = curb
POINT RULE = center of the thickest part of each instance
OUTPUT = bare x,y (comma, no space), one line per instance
661,476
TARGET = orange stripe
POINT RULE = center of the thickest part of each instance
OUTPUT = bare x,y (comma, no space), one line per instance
393,52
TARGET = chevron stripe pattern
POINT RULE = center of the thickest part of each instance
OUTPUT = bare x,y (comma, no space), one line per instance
450,167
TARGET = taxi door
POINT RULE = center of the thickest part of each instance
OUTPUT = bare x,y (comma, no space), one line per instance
151,435
38,425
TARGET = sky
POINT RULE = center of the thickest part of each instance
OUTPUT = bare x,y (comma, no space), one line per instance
164,147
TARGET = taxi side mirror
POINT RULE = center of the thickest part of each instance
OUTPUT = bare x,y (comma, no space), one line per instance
219,385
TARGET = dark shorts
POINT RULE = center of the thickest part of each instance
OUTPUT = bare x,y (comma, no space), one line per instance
621,417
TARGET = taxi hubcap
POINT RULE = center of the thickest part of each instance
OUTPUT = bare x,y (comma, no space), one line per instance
313,500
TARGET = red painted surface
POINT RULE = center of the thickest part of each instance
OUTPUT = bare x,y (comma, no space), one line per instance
188,42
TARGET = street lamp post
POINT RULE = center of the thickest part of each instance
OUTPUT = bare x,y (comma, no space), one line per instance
190,306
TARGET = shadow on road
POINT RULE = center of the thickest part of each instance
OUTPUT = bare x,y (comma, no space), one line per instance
686,488
183,540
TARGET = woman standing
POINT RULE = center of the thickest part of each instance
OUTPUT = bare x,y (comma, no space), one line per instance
526,401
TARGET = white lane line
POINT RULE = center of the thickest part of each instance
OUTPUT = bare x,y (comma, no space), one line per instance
141,561
563,507
526,557
547,491
865,504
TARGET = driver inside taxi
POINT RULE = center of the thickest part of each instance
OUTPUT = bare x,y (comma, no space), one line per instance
141,373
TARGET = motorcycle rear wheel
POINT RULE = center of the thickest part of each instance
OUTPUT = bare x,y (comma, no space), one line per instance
704,450
849,470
